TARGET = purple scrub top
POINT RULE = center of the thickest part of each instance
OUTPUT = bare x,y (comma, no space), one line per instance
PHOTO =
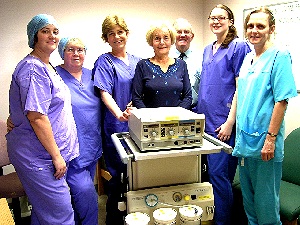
35,88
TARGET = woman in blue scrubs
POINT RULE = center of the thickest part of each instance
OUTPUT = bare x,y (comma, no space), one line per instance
113,73
86,111
221,64
266,83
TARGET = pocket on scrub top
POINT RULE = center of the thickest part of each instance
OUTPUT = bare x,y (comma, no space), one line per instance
253,141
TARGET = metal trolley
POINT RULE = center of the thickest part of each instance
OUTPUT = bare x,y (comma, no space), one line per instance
167,177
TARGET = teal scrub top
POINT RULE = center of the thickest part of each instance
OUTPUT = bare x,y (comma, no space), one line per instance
260,85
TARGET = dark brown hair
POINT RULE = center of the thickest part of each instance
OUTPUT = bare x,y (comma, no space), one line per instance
232,32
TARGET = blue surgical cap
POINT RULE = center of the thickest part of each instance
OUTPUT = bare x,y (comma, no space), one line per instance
65,41
36,23
62,46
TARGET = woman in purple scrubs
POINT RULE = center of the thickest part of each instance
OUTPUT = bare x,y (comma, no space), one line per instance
44,139
222,60
113,73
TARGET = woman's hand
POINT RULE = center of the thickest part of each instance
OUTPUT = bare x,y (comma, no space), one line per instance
60,166
43,130
267,152
114,108
224,131
122,116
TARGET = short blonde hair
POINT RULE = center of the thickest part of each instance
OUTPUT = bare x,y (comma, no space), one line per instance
158,26
76,41
111,21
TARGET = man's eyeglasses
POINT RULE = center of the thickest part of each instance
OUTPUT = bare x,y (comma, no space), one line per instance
219,18
73,50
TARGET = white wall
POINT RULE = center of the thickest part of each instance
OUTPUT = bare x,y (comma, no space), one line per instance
292,118
84,19
237,6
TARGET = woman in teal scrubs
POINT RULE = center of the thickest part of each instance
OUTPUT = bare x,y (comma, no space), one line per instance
265,84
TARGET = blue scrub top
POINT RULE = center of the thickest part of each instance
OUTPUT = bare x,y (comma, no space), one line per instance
86,107
112,75
218,82
260,86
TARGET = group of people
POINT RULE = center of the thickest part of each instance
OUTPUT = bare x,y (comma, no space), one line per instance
63,116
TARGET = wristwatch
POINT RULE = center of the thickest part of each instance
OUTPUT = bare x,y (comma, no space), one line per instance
272,134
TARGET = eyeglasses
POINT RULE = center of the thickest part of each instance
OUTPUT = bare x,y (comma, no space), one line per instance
219,18
73,50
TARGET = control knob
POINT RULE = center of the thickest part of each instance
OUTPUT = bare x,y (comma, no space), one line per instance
171,132
186,131
153,134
